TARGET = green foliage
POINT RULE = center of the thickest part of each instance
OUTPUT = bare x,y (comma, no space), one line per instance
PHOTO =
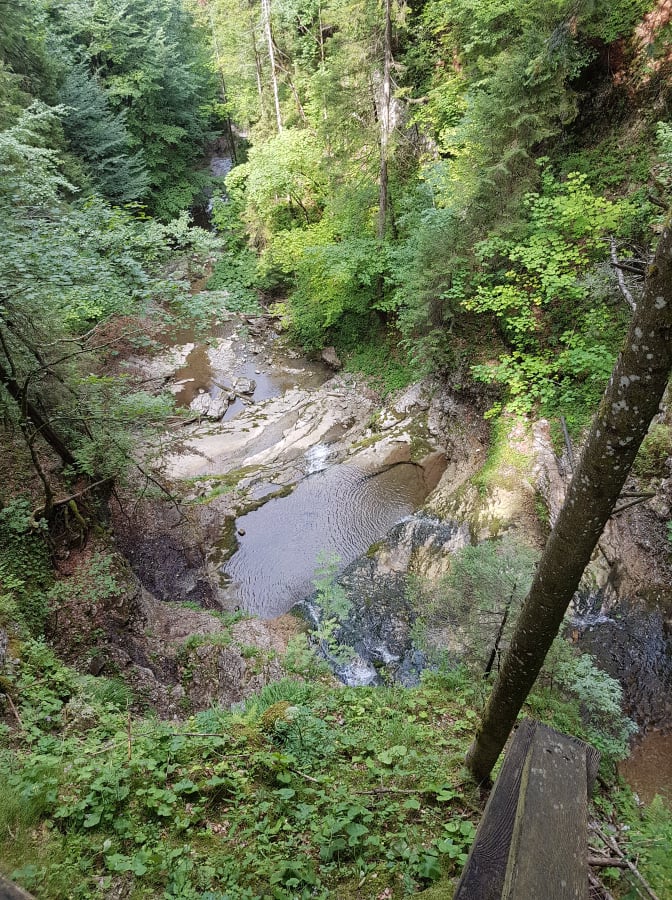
654,452
336,293
101,138
25,568
282,182
611,164
236,272
95,582
563,343
485,580
333,608
382,365
150,62
294,778
664,169
64,268
26,68
648,836
478,603
429,277
600,696
310,788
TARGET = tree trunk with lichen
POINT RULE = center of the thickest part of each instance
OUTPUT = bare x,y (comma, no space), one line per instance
268,31
632,398
385,123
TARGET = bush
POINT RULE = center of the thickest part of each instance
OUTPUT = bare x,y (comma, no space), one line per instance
654,452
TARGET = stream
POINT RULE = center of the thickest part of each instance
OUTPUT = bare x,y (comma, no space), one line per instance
338,511
632,641
282,443
286,470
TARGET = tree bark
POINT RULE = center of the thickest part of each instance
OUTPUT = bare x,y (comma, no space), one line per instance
257,66
28,409
632,398
266,14
385,123
225,97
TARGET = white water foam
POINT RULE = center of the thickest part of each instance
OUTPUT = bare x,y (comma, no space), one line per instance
317,458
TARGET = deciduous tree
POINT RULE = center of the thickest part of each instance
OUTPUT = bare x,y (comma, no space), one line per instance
632,398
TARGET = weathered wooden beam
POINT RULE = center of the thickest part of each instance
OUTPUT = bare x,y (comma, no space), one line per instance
531,841
548,852
11,891
485,870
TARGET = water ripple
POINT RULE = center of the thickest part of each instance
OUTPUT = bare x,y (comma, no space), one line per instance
341,510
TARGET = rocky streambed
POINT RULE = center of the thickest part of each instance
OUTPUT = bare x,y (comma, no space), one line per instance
283,462
277,463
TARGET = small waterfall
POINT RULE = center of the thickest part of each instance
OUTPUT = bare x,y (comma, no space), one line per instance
316,458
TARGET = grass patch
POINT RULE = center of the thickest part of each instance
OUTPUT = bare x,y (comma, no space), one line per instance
315,790
504,463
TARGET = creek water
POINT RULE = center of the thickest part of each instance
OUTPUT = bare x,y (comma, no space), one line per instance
338,511
633,643
219,167
268,376
326,508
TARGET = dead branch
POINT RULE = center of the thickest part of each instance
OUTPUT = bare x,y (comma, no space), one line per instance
598,886
307,777
395,791
631,503
612,844
656,201
41,511
14,710
634,270
603,862
619,275
568,443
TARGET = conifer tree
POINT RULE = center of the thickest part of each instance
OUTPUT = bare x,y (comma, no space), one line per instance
101,139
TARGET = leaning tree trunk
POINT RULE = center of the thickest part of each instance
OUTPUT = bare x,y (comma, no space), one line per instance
630,401
40,423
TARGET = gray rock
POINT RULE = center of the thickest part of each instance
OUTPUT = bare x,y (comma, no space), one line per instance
379,624
246,386
210,407
331,358
225,675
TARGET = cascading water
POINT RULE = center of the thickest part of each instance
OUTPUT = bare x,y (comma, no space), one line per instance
317,458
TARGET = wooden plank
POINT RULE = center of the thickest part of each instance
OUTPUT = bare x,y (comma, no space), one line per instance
11,891
548,851
593,758
485,869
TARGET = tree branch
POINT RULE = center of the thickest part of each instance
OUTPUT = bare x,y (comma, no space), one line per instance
613,846
619,275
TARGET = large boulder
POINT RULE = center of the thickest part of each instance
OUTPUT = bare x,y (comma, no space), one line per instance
331,358
211,407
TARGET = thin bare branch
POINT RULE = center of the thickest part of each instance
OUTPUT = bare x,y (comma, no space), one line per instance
619,275
612,844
